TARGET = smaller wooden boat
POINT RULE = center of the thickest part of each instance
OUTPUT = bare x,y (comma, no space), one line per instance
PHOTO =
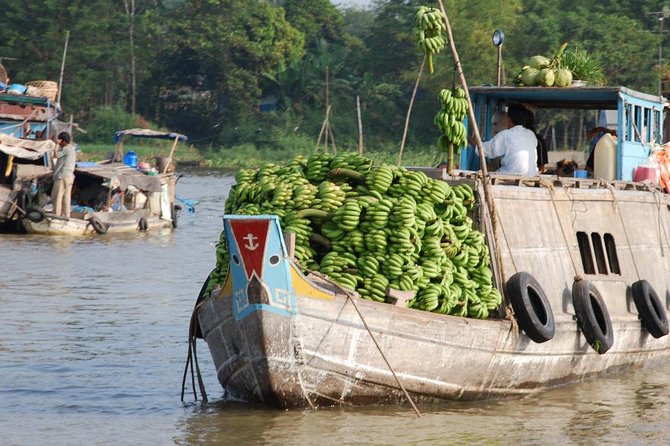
114,197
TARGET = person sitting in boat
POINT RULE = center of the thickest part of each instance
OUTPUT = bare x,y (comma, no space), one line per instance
499,121
63,176
517,145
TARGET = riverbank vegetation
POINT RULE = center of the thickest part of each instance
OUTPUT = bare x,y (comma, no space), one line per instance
251,81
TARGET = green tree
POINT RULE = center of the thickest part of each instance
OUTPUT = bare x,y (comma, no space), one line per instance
212,59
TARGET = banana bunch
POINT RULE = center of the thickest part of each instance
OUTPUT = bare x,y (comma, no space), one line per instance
330,196
370,228
318,167
429,25
348,216
449,120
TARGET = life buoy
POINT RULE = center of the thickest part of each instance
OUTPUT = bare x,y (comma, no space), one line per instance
143,225
35,214
99,226
531,307
650,308
592,316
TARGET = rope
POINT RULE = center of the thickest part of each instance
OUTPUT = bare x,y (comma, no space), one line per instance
657,199
418,414
192,356
550,187
617,208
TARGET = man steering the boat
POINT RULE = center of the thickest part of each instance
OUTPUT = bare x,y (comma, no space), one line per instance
517,145
63,176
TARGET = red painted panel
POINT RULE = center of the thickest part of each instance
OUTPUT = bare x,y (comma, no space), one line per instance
251,237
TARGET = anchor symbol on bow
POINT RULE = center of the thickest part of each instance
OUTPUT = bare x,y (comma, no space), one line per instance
251,245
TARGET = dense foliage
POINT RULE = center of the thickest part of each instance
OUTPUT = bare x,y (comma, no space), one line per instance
229,72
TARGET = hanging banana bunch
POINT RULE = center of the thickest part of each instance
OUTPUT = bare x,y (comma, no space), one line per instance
449,120
429,26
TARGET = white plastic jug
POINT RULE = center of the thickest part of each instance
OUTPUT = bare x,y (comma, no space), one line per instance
604,158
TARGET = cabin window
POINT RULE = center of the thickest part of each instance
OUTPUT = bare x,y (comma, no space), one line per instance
585,252
613,259
657,126
598,253
628,113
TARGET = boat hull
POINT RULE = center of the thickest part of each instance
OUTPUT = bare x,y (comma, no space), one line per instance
324,354
110,222
281,339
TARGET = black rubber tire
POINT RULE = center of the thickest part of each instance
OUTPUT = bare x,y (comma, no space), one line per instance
592,316
99,226
175,214
652,314
143,225
35,214
531,307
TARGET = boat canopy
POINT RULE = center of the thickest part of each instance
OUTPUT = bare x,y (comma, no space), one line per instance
591,98
28,149
148,133
120,175
24,99
640,122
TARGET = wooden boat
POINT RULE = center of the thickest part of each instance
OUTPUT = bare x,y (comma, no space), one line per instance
583,265
113,197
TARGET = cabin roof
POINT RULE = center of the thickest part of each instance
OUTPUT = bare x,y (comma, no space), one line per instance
23,99
126,175
148,133
601,98
29,149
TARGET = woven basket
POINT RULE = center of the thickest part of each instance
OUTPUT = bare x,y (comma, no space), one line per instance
48,89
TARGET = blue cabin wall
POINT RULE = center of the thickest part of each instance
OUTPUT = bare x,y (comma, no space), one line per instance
640,125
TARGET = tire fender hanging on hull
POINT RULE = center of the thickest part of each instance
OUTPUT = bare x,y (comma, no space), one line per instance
592,316
531,307
649,306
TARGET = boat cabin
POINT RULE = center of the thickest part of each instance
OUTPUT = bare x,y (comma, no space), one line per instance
639,124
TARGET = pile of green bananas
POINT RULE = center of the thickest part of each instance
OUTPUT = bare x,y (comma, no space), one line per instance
370,228
449,120
427,32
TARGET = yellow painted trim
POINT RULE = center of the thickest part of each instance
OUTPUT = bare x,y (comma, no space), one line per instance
227,290
304,288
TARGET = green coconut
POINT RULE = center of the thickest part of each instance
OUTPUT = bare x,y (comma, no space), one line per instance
538,62
528,76
563,77
546,77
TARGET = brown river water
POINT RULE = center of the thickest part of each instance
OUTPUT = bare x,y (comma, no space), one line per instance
93,342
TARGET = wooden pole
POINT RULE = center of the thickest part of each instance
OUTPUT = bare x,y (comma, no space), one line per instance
323,129
332,137
488,194
174,145
360,125
409,110
62,66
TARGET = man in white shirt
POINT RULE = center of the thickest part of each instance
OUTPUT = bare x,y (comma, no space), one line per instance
516,145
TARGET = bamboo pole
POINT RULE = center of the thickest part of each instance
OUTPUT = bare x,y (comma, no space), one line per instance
323,129
488,194
360,125
409,110
174,145
62,66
